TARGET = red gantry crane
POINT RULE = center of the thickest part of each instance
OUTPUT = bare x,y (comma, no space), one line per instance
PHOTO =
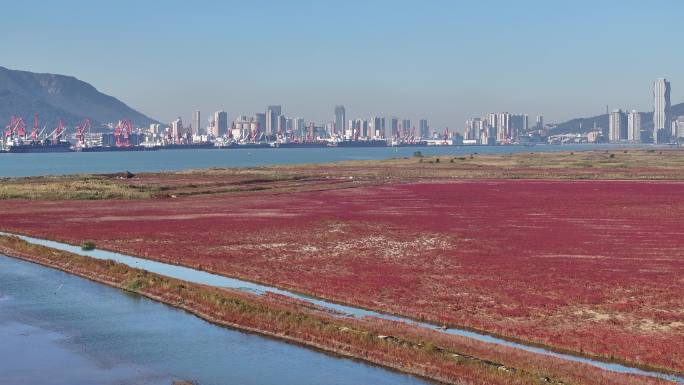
81,130
20,127
16,127
36,125
9,128
122,133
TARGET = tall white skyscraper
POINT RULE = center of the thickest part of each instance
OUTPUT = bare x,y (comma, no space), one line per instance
491,119
220,123
540,122
340,120
617,126
661,111
176,129
634,126
272,113
503,126
474,129
196,122
678,129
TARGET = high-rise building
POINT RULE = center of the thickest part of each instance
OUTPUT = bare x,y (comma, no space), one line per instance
155,128
196,122
540,122
220,123
503,127
488,132
405,126
423,129
361,127
260,119
351,126
634,126
329,128
299,126
678,129
491,119
474,128
518,125
394,127
506,127
176,129
340,120
617,126
281,125
272,113
661,111
378,127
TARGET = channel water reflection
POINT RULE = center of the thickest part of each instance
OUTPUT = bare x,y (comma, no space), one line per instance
57,328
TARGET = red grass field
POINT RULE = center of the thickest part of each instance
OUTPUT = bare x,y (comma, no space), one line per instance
589,266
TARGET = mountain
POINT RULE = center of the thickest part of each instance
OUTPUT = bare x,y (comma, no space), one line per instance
57,97
587,124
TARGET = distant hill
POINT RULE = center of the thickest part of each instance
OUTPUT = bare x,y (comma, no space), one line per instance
57,97
583,125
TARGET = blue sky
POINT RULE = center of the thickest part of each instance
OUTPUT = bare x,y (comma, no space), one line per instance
442,60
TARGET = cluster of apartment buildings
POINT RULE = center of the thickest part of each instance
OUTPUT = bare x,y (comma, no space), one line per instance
502,128
493,128
626,126
623,126
273,124
378,127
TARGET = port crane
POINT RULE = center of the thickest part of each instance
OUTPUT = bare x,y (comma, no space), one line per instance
20,127
122,133
81,130
56,134
16,127
446,135
36,124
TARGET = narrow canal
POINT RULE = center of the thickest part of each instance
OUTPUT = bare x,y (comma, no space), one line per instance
57,328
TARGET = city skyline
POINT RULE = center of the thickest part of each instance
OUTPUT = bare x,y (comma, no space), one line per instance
453,66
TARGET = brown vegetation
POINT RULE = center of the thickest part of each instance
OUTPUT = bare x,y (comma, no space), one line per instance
618,164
